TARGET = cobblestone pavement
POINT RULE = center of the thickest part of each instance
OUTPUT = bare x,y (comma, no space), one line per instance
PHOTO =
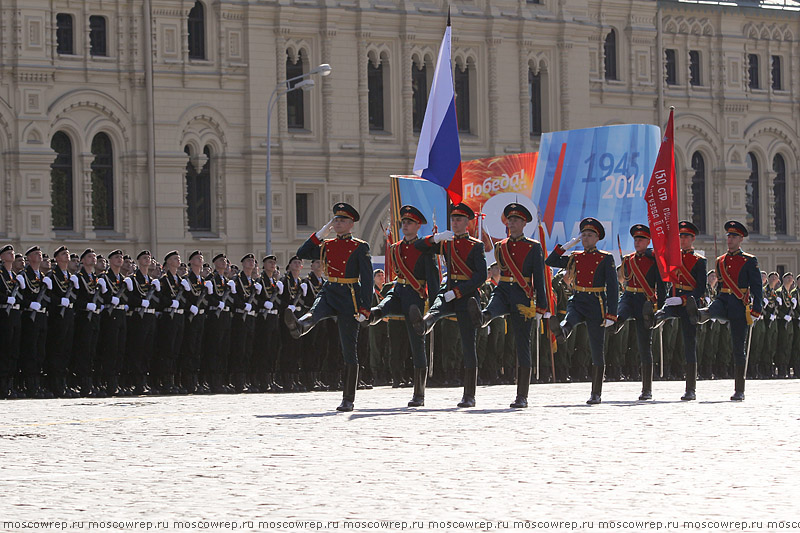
292,457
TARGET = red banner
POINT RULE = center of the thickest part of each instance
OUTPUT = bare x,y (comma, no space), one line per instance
662,208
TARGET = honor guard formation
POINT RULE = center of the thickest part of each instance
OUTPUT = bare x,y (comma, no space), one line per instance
120,325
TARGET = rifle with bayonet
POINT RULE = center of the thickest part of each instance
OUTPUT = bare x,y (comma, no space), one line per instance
150,297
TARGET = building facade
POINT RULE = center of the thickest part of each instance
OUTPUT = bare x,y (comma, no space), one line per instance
142,123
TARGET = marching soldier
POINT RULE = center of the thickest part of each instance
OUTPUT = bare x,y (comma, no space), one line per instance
142,297
687,292
770,317
521,292
783,297
315,344
113,325
741,279
218,327
458,296
345,295
34,322
171,322
243,323
62,286
267,345
293,301
379,335
596,293
196,304
643,294
88,304
10,323
416,281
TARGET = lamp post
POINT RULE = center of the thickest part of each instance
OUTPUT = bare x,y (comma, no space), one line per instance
281,89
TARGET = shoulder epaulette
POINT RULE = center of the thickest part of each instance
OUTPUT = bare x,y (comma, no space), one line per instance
359,241
473,240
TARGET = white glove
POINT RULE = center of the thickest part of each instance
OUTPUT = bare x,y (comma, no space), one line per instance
547,314
232,285
74,279
48,283
209,286
794,302
21,281
279,284
174,304
766,302
673,300
248,308
102,283
258,287
788,318
304,288
221,306
157,284
126,307
780,301
446,235
64,302
114,300
91,306
773,317
449,296
145,303
538,316
129,284
292,308
608,323
185,284
193,309
11,300
268,305
361,318
325,230
35,306
572,243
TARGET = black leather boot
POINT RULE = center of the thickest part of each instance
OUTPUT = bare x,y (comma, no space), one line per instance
597,384
297,327
478,318
375,315
660,317
420,378
470,381
738,377
691,382
648,315
422,324
647,382
703,315
692,311
350,383
523,385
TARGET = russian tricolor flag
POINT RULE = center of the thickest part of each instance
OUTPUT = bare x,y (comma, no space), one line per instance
438,153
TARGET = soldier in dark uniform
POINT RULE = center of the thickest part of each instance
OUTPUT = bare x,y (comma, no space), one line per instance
521,292
770,319
292,300
88,304
217,328
61,285
466,257
688,291
346,294
596,293
267,343
784,307
196,306
34,323
171,322
741,280
142,293
379,335
315,344
243,323
10,324
417,280
113,325
644,292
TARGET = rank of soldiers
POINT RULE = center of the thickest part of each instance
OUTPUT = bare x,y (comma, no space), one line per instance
99,326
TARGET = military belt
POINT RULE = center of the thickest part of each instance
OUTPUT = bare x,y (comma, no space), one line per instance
508,279
396,317
403,281
728,291
9,307
177,312
146,310
460,277
589,289
683,287
243,312
633,289
343,281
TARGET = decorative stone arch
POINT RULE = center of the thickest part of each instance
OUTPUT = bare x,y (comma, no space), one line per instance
773,127
683,27
788,35
697,126
31,134
423,55
103,106
294,48
671,26
464,57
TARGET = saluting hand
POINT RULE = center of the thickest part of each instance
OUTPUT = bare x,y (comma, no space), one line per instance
571,243
323,232
446,235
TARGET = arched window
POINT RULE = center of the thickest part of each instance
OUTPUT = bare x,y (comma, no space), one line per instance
751,194
376,99
610,51
197,32
61,182
671,58
752,71
198,192
295,110
535,100
779,188
419,88
699,192
461,80
102,182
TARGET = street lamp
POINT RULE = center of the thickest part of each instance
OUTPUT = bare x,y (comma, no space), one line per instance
281,89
